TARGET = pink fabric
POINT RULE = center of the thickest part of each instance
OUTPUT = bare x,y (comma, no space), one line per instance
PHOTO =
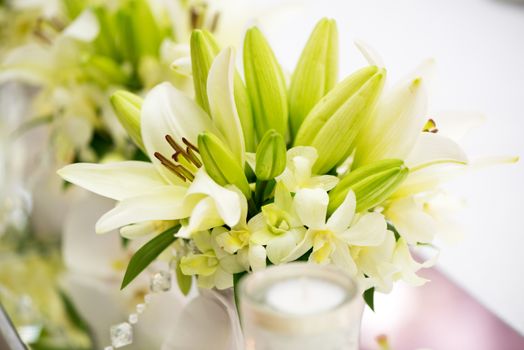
438,316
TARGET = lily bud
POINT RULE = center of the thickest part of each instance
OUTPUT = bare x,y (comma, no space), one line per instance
104,70
316,72
127,109
124,35
271,156
334,123
147,34
265,85
104,43
220,163
204,49
372,184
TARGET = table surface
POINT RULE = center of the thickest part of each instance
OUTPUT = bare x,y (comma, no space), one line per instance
438,316
479,49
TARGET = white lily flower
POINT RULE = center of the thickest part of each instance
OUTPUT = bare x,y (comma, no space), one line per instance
298,173
376,263
411,221
419,218
159,191
213,265
278,226
239,240
380,266
331,239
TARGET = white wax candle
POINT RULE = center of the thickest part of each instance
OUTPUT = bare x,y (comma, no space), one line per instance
304,296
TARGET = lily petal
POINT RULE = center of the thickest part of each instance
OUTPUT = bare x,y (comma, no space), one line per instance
456,124
411,221
324,182
301,248
281,246
257,257
84,28
163,203
397,123
20,65
114,180
168,111
434,149
406,265
370,54
342,217
342,258
223,279
220,93
203,217
369,230
311,206
227,202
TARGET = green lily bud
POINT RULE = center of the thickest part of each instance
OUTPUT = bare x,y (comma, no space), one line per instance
372,184
265,84
316,72
271,156
124,34
220,163
204,49
104,42
104,70
333,124
127,109
146,32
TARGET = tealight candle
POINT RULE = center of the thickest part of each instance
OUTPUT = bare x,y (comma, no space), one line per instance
300,306
304,296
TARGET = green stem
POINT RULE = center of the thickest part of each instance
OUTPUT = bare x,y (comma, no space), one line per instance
259,191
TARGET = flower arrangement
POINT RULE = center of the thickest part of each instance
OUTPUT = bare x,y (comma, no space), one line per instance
257,171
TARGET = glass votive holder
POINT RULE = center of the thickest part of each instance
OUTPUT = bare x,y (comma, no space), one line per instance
300,306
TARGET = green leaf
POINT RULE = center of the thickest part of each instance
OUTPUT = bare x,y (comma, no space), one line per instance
369,298
393,229
72,313
145,255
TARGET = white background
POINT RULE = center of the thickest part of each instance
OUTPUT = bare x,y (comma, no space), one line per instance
479,49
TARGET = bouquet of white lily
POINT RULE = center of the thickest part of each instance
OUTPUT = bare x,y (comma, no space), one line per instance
256,171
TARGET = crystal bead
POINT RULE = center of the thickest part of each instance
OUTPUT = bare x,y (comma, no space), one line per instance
148,298
140,308
121,335
133,318
161,282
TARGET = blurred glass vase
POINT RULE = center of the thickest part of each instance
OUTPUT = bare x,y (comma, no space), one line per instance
300,306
